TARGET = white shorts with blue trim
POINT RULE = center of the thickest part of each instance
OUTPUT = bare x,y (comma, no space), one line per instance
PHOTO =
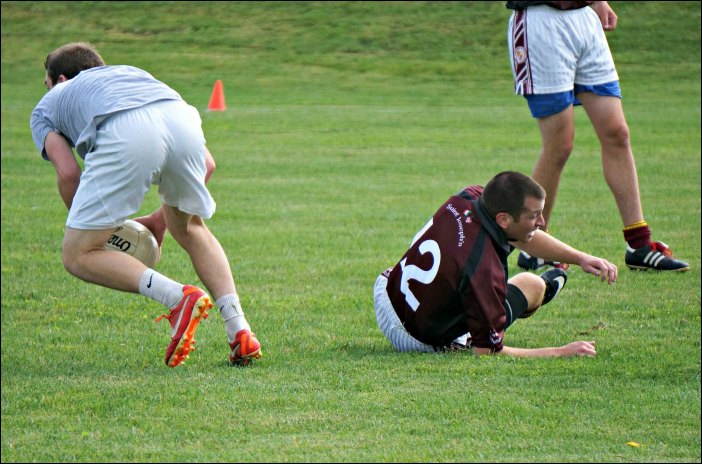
546,104
551,50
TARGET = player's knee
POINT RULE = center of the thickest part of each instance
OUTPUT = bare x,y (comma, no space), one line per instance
187,233
532,287
558,154
71,263
618,135
556,151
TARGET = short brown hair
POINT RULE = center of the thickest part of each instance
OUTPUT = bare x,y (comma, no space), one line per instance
507,192
70,59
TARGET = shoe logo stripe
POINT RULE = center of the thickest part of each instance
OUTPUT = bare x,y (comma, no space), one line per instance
561,283
180,317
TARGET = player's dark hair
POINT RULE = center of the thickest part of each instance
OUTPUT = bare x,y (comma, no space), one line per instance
507,192
70,59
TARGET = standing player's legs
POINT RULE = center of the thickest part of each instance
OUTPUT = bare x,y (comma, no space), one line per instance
619,167
212,267
618,164
186,201
116,177
557,134
544,69
208,258
555,117
84,256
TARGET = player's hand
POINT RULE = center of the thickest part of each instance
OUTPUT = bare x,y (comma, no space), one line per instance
607,16
579,349
156,224
602,268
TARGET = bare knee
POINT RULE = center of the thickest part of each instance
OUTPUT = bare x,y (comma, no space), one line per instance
184,234
557,135
532,286
70,264
616,136
73,262
77,248
557,155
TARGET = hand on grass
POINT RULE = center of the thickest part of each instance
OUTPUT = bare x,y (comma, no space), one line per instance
579,349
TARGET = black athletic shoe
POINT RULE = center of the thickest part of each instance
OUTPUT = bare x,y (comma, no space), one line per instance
555,281
532,263
657,256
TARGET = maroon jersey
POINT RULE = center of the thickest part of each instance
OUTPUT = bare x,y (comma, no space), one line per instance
453,279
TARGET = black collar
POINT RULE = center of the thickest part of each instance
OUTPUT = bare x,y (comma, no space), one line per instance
489,223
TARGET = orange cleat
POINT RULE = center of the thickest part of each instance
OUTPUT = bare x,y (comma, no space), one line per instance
245,347
184,319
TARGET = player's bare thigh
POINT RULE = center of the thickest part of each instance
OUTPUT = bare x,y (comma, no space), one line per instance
85,257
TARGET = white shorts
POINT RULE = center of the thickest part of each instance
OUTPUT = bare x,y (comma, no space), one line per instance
390,325
551,50
158,144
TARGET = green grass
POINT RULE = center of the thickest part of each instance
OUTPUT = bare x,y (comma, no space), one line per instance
347,124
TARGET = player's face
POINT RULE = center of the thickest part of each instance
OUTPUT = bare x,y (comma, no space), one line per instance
524,227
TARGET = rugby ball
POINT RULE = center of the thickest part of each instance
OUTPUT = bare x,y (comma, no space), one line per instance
136,240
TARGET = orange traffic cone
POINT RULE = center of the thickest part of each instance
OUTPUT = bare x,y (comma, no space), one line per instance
217,98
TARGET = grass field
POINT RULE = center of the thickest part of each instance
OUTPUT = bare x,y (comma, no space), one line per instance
347,124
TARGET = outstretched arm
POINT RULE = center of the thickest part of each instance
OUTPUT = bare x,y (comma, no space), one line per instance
571,349
550,248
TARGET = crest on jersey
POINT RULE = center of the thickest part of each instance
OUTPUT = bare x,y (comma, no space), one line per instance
520,55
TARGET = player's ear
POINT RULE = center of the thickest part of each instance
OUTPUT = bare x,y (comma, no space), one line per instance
61,78
504,220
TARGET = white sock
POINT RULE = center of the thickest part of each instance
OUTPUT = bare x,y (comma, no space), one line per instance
160,288
232,315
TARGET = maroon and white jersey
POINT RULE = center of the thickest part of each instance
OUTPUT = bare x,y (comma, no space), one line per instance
453,279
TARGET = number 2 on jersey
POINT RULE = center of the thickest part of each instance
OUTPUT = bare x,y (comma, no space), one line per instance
412,272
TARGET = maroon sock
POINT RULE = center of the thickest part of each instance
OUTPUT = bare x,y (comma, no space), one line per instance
638,237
